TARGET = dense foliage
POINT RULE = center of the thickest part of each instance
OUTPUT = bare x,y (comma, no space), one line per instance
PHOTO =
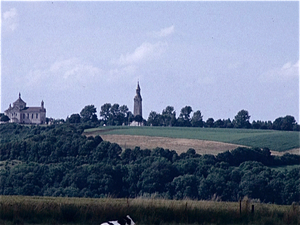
116,115
57,160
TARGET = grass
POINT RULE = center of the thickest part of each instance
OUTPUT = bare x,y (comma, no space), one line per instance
285,168
56,210
275,140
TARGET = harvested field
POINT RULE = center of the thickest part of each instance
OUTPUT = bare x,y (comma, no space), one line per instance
178,144
279,141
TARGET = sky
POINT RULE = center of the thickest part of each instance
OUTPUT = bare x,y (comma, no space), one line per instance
217,57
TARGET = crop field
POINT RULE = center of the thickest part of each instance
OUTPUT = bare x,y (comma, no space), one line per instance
144,211
275,140
284,168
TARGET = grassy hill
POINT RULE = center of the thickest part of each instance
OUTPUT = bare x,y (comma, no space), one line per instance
275,140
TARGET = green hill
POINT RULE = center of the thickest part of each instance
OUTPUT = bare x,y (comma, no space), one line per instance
272,139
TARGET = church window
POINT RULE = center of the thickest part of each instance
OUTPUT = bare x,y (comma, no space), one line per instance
27,115
37,115
24,116
32,116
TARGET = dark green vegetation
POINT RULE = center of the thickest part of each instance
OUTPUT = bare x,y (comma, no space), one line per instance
274,140
3,118
116,115
49,210
58,160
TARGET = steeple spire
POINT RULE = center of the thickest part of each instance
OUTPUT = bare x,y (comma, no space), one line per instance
138,89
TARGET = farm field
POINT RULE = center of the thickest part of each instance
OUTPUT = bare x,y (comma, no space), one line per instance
180,145
217,138
144,211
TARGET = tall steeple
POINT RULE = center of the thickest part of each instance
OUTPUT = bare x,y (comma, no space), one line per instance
137,110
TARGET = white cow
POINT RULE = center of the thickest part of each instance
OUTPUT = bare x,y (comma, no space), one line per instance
124,221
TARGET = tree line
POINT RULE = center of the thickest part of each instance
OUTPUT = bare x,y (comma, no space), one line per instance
116,115
57,160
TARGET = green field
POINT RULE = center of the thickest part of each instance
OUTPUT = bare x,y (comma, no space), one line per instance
274,140
283,169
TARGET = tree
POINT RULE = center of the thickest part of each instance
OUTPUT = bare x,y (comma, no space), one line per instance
155,177
125,114
138,118
197,119
210,122
88,113
241,120
169,116
286,123
74,118
185,186
154,119
129,117
4,118
219,123
184,119
105,112
115,115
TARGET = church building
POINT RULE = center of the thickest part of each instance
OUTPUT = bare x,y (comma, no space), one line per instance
20,113
137,108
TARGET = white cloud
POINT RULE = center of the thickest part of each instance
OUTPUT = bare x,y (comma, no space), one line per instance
127,64
285,73
121,74
10,19
63,74
144,52
165,31
74,69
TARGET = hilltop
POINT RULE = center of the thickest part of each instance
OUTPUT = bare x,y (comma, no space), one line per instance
203,140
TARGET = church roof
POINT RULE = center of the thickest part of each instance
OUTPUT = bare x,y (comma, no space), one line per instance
32,109
19,101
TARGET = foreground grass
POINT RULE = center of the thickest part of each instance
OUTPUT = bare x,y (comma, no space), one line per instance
56,210
275,140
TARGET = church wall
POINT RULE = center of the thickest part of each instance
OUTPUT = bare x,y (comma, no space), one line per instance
14,116
33,117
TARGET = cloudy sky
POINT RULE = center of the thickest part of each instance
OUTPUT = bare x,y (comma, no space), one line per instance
217,57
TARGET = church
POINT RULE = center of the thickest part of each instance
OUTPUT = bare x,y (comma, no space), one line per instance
20,113
137,108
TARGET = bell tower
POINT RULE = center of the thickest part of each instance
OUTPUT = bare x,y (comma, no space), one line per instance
137,110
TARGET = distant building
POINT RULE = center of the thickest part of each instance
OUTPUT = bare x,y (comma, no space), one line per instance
20,113
137,110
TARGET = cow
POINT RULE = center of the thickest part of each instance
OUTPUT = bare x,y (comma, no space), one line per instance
123,221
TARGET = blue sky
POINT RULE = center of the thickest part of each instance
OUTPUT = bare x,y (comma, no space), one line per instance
217,57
